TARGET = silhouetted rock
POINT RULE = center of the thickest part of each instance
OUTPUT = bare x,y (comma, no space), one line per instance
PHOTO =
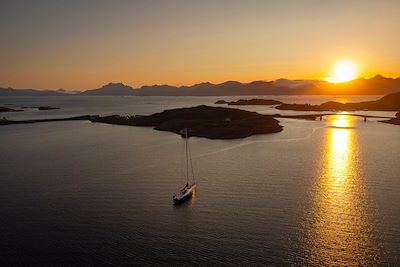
389,102
311,117
47,108
249,102
5,109
203,121
395,121
331,105
77,118
221,102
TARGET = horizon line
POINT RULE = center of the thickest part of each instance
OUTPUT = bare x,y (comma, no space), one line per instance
193,84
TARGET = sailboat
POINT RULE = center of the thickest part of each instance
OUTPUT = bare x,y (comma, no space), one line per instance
186,192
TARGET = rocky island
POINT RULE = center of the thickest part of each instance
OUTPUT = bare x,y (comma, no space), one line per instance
210,122
203,121
47,108
389,102
395,121
5,121
5,109
250,102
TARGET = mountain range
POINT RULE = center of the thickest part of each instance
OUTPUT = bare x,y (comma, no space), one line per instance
377,85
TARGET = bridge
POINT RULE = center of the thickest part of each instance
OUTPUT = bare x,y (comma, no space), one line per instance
320,115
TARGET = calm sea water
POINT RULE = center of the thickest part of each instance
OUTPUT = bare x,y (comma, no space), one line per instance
320,193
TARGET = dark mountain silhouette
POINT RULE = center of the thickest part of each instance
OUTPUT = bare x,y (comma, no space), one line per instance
390,102
68,91
377,85
158,90
111,89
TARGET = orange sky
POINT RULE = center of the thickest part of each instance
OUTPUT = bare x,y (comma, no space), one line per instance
76,45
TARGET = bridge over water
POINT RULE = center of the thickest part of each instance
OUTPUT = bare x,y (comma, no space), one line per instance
320,115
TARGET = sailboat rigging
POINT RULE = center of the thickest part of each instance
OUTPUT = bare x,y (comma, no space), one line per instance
186,192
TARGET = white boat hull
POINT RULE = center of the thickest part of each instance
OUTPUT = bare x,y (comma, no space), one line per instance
184,194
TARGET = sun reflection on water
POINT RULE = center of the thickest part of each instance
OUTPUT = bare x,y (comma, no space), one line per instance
338,230
341,120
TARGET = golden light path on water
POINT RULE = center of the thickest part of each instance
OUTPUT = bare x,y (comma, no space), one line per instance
339,231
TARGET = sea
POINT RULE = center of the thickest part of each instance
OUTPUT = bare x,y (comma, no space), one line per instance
76,193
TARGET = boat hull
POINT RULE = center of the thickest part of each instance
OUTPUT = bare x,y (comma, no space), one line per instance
184,197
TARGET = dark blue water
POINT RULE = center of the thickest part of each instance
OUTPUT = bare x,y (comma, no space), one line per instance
320,193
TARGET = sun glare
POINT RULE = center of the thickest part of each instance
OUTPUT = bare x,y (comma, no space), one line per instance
341,120
343,72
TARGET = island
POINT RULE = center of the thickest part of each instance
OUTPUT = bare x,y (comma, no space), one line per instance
390,102
203,121
47,108
219,102
4,121
5,109
395,121
250,102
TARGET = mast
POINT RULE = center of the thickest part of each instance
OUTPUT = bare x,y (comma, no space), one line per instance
187,157
191,163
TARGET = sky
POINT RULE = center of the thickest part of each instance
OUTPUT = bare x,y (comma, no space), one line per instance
85,44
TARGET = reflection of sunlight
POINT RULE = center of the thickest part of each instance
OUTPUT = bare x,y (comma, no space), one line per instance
194,194
339,231
192,200
339,160
341,121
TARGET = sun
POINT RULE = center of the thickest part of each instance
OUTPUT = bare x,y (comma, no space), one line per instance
343,72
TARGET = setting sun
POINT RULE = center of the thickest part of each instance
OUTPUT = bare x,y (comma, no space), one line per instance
343,72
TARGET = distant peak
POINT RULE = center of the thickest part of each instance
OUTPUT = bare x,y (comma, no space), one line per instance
259,82
379,77
203,83
230,83
114,84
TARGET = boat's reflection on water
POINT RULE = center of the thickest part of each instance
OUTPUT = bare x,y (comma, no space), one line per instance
338,230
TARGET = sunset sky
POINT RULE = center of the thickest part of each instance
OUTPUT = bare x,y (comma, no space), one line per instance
85,44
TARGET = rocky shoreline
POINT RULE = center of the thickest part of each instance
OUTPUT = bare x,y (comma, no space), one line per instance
78,118
5,109
250,102
203,121
389,102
